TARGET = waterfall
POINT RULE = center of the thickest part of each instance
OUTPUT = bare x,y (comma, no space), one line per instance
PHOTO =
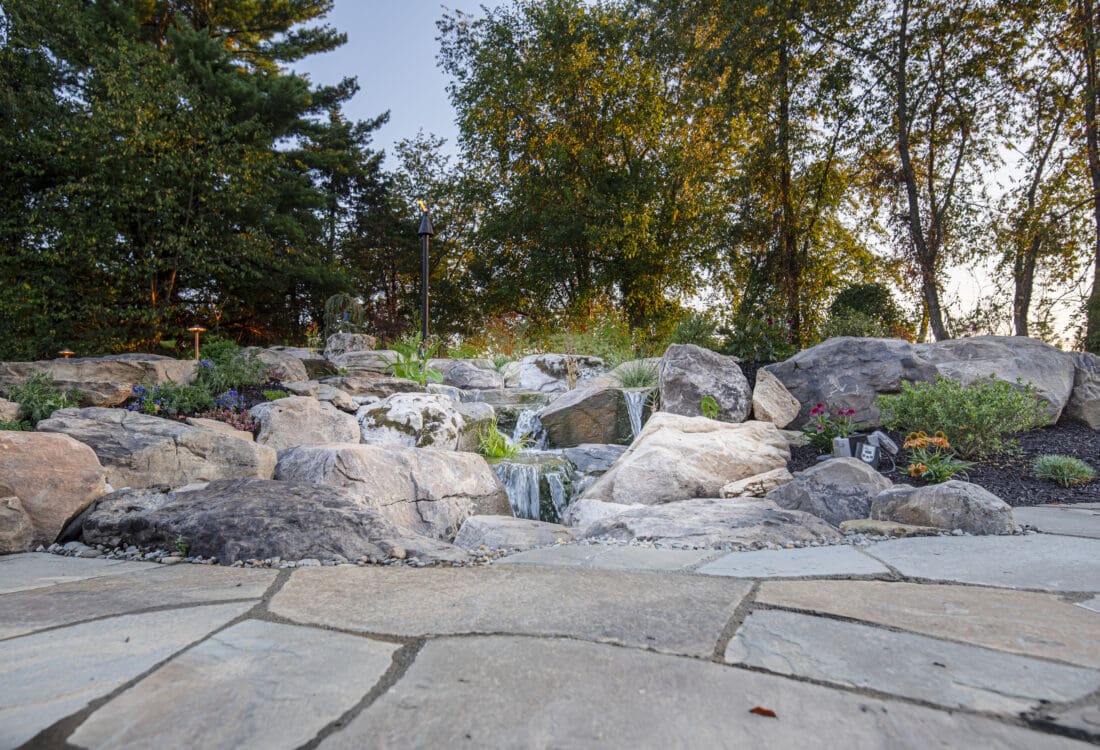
521,482
529,427
559,491
635,403
539,484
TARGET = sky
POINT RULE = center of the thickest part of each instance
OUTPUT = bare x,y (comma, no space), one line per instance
392,49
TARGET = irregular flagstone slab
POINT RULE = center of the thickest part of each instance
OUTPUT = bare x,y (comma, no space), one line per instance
49,676
557,693
1082,720
255,685
36,570
1035,561
610,557
176,585
1093,604
1020,622
912,666
677,614
1061,519
841,560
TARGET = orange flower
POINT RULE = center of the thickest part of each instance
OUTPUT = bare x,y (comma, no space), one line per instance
917,470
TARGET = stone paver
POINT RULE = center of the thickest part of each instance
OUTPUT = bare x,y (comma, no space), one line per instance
48,676
1093,604
673,613
609,557
558,693
255,685
1061,519
165,585
1033,561
1020,622
1082,720
35,570
841,560
914,666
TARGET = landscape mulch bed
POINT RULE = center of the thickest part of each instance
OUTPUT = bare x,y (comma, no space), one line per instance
1011,478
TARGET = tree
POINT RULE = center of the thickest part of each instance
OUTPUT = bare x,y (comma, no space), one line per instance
1088,27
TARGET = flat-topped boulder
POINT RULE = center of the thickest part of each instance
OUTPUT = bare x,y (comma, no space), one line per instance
303,420
315,363
45,479
139,450
688,374
678,458
713,522
468,374
372,385
412,420
245,519
104,381
506,532
428,492
551,373
587,415
376,361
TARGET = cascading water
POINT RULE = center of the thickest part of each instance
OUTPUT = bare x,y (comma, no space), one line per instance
529,431
539,484
635,404
521,482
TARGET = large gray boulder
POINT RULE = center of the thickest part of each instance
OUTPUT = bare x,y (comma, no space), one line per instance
315,363
549,373
339,398
279,365
678,457
303,420
468,374
377,361
850,373
689,373
372,385
587,415
342,343
104,381
412,420
45,479
594,459
711,522
1084,403
506,532
477,418
584,512
428,492
245,519
1007,358
835,490
139,450
950,505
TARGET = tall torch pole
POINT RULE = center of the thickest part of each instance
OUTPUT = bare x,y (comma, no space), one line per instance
425,232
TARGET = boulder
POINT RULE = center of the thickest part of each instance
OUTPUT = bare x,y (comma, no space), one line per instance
850,373
215,424
950,505
835,490
104,381
549,373
593,459
342,343
301,420
509,403
412,420
314,362
678,457
711,522
757,486
689,373
45,479
873,527
468,374
9,411
1007,358
246,519
339,398
376,361
587,415
1084,403
477,417
428,492
586,512
772,402
279,365
506,532
372,385
139,450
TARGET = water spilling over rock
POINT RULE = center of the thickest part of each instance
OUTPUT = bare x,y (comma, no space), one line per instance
529,430
539,485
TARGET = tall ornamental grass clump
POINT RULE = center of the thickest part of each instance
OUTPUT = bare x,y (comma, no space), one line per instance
976,419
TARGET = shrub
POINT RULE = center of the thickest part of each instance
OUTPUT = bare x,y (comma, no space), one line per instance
758,339
873,301
14,425
637,375
709,406
697,329
823,426
412,361
39,397
226,367
931,457
1065,470
171,400
492,443
976,419
275,395
854,323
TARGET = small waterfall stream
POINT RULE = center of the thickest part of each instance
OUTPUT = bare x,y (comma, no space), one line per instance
539,484
529,431
635,404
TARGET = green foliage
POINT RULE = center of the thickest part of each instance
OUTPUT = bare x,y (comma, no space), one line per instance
343,314
976,419
15,425
1064,470
180,545
756,339
826,424
412,361
238,420
601,332
492,443
697,329
932,458
639,374
709,406
848,322
171,400
275,395
39,397
225,366
873,300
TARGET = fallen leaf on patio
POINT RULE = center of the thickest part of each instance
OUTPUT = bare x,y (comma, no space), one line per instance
763,712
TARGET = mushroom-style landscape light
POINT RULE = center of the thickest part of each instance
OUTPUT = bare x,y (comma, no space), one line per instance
425,232
66,353
196,330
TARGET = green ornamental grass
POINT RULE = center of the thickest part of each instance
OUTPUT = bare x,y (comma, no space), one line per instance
1065,470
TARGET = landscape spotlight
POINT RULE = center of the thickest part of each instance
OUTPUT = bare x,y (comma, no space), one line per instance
196,330
66,353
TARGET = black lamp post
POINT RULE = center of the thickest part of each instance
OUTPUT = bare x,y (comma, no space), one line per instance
425,232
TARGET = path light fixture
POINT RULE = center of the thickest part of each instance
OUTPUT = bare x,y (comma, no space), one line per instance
66,353
196,329
425,232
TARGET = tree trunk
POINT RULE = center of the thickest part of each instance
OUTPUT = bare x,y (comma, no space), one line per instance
1088,38
792,271
1024,273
